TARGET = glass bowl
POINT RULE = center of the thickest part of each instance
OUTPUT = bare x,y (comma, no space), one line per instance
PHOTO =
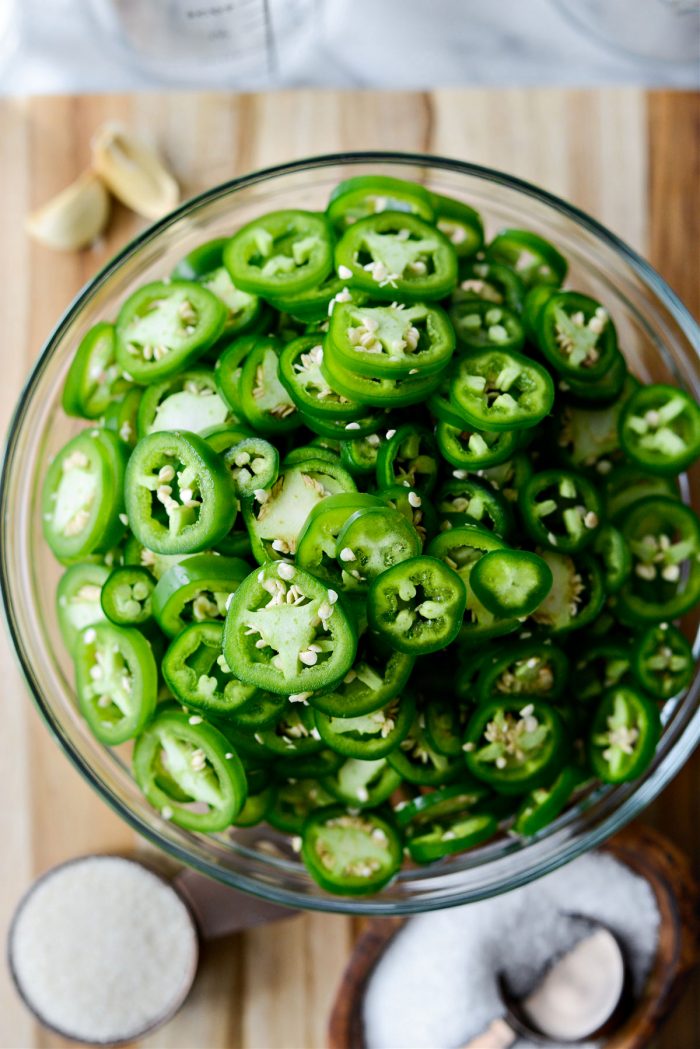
660,339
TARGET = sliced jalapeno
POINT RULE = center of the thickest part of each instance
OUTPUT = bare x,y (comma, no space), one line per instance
498,390
116,681
282,253
663,661
392,341
511,582
560,510
197,674
179,495
624,735
126,595
351,854
533,258
94,375
445,821
82,499
660,429
513,745
188,401
78,599
208,775
286,633
417,605
163,327
395,255
195,590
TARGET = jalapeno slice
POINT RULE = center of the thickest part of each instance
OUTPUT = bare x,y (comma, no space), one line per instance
663,661
282,253
445,821
264,401
377,391
188,401
163,327
515,745
524,668
371,541
116,681
392,341
126,595
511,582
491,282
576,596
417,605
294,802
419,762
542,805
470,502
179,495
561,510
481,325
628,484
498,390
210,780
624,734
577,336
365,195
660,429
362,784
394,255
196,672
470,448
195,590
664,538
408,457
276,517
286,633
82,498
301,375
78,599
533,258
350,854
254,465
121,415
370,736
460,223
611,547
94,375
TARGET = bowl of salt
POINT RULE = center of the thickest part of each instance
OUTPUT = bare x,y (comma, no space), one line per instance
591,955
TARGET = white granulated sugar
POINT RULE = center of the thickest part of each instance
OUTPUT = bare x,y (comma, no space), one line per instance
103,949
435,985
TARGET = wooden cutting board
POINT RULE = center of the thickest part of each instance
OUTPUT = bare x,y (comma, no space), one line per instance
630,158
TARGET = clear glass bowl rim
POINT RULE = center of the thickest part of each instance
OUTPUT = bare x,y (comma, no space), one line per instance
613,821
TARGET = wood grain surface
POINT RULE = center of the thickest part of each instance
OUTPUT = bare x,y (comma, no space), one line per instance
629,158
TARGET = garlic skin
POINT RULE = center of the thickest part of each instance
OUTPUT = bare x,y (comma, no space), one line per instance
133,172
74,218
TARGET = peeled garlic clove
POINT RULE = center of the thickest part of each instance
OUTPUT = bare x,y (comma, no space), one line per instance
73,219
133,172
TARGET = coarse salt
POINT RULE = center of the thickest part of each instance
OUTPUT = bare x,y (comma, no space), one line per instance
102,949
436,984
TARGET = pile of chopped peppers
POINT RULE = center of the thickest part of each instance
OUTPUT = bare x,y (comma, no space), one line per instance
372,536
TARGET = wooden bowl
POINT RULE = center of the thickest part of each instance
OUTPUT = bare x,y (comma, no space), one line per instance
644,851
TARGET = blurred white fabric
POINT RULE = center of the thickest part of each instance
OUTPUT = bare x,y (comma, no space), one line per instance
60,46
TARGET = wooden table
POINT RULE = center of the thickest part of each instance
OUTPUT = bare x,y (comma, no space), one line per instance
630,158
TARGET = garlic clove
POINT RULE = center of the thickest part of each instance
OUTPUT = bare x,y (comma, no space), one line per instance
74,218
133,172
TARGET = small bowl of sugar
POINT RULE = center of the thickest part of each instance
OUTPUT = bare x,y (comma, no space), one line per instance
102,950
